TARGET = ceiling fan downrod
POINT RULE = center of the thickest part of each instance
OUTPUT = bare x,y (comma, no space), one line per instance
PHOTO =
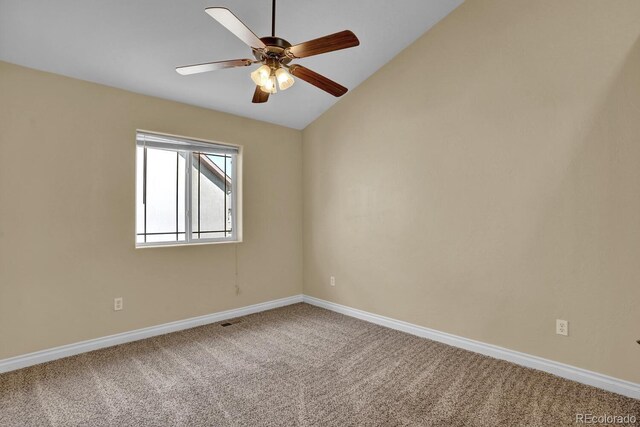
273,19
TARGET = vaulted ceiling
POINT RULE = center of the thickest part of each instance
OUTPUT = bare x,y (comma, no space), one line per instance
136,45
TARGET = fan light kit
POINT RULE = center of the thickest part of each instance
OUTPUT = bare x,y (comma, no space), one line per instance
275,54
265,78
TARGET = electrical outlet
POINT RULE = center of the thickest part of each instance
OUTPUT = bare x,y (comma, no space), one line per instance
562,327
117,304
332,281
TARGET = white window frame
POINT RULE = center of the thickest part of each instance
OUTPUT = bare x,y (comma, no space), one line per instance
188,146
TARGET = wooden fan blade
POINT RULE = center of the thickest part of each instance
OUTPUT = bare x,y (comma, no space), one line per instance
236,26
212,66
260,96
318,80
342,40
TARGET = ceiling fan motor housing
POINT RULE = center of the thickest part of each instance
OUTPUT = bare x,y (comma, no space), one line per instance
275,50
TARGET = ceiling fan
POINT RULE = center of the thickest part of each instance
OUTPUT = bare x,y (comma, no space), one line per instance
275,55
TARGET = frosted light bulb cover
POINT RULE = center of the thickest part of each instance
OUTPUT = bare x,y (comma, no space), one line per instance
270,85
261,75
285,81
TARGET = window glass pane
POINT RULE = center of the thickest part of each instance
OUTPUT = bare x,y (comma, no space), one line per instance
210,236
209,198
230,189
195,207
139,192
169,237
161,218
182,164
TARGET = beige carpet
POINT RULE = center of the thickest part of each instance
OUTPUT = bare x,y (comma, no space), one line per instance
295,366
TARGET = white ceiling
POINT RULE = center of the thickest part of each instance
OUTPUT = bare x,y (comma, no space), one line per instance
136,45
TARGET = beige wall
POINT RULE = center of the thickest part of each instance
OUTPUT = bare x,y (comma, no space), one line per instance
483,183
67,215
486,182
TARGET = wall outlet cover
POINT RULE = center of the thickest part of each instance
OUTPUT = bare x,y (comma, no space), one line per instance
562,327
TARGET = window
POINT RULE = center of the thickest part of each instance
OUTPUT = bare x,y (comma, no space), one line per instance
186,191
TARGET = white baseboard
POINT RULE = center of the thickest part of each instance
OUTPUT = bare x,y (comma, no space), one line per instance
573,373
37,357
569,372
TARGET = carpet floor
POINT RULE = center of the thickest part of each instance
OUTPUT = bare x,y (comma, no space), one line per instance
294,366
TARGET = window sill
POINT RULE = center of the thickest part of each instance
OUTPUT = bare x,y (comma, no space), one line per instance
174,244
